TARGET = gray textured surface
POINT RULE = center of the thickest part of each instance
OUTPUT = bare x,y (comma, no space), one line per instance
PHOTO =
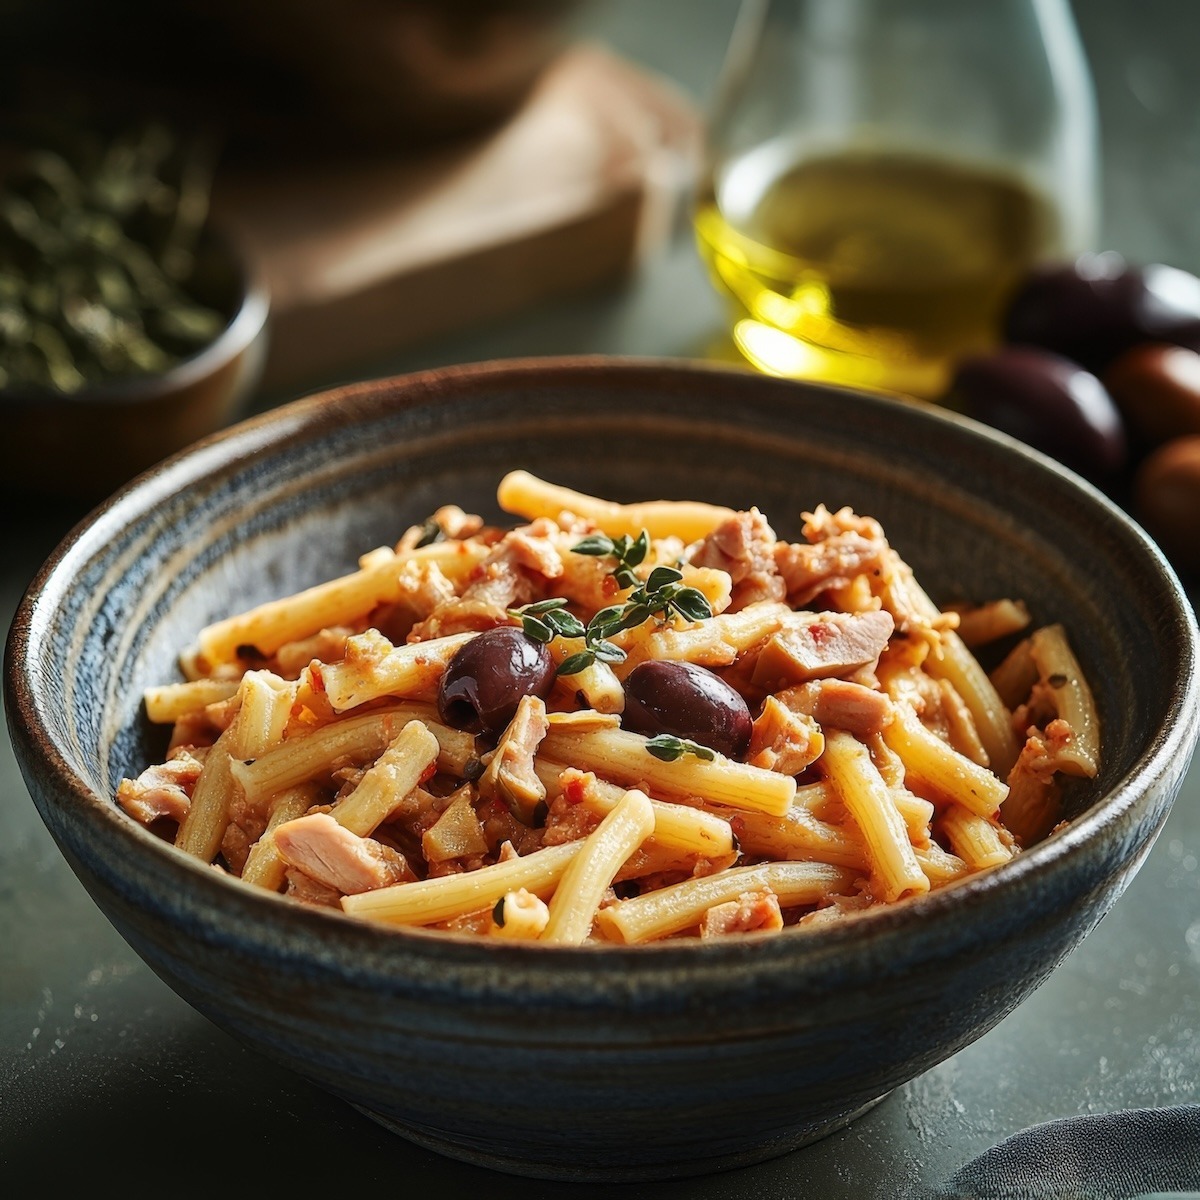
104,1073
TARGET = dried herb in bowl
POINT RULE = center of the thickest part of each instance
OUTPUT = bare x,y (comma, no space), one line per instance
97,251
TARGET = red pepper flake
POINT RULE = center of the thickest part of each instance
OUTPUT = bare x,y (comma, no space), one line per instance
575,785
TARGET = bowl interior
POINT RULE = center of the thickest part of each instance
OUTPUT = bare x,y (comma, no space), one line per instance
294,498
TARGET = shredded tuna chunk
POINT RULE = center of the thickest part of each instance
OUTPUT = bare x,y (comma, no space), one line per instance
838,908
516,571
422,588
859,710
328,645
1042,752
821,524
568,821
333,856
749,913
303,887
510,776
841,547
808,570
831,644
744,547
784,740
1033,806
450,519
533,548
457,833
164,790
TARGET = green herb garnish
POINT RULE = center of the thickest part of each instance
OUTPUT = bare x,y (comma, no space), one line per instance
668,748
662,593
431,532
629,553
548,619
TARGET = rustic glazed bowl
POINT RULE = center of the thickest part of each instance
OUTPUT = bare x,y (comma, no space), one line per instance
596,1062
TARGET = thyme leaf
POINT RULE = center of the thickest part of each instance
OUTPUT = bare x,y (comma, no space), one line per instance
431,532
669,748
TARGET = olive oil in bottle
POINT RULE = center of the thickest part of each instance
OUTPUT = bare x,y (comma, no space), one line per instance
872,269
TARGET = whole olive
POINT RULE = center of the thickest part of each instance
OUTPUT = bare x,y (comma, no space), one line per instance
1095,308
687,701
1157,388
1046,401
1166,499
485,679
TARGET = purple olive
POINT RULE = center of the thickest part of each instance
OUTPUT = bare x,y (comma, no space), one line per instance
686,701
1097,307
1048,402
487,677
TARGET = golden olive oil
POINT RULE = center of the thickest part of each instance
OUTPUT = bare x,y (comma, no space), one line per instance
870,269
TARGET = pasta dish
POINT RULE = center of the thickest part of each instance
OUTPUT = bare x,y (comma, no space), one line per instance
617,724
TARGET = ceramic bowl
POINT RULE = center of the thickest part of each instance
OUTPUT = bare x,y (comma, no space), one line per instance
597,1062
86,443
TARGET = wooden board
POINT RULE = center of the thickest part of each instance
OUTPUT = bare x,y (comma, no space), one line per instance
366,258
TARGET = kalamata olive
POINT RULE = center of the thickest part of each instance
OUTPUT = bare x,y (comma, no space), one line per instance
1046,401
687,701
1095,308
1166,499
1157,388
484,682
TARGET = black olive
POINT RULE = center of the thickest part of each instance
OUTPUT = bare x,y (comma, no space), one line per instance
686,701
1048,402
487,677
1097,307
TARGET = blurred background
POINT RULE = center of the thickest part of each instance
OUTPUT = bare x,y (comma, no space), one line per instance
210,208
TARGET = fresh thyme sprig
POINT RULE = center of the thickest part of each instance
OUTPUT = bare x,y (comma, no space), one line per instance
431,531
629,553
548,619
668,748
662,593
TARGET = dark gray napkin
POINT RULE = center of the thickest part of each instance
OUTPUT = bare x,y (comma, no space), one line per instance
1114,1156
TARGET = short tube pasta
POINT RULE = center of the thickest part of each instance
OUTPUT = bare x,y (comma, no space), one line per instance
575,901
847,764
811,738
431,900
625,758
672,909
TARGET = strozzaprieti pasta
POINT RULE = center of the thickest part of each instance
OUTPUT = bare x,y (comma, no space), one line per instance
616,723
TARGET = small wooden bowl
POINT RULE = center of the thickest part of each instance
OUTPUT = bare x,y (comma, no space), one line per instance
87,443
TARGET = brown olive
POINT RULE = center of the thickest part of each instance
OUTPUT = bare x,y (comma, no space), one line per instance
1157,388
1046,401
487,677
1166,499
1095,308
686,701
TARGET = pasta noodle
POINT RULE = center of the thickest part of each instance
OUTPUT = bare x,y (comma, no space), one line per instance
617,723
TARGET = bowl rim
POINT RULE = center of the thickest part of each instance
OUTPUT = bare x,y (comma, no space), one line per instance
381,943
244,324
